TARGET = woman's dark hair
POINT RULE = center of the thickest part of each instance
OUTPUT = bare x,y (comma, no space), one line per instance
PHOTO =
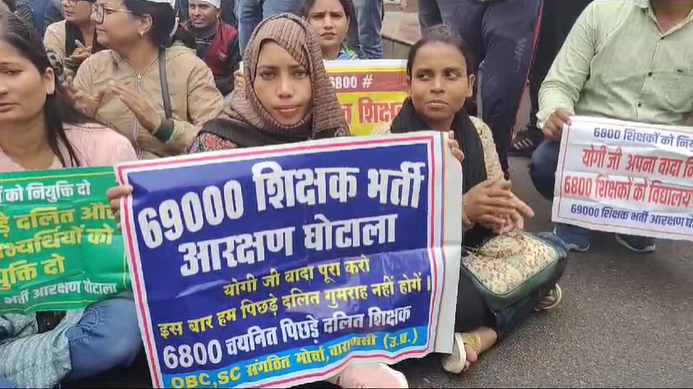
11,5
441,33
59,108
163,21
346,4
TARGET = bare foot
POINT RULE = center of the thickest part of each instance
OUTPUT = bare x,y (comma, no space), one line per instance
471,356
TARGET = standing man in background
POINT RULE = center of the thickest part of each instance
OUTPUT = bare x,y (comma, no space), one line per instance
501,34
252,12
557,19
40,8
365,28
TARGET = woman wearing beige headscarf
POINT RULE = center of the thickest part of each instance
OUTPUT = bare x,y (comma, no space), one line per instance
284,80
286,98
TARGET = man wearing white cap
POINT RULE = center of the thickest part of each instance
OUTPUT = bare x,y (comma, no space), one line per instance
216,41
227,12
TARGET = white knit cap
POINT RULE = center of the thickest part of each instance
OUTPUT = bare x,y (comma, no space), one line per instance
172,3
213,3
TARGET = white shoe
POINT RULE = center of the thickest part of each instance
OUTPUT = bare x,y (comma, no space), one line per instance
370,375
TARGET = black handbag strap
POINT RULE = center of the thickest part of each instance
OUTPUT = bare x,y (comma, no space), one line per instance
164,85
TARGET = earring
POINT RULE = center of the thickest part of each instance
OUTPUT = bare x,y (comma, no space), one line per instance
141,33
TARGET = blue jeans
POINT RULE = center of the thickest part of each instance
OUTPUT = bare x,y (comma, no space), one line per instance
106,337
252,12
367,40
542,172
5,384
501,36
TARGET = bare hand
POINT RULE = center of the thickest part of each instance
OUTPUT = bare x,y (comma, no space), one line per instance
114,195
515,220
488,201
145,114
80,54
86,103
553,128
455,147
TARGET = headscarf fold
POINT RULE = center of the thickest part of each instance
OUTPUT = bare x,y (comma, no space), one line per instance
294,35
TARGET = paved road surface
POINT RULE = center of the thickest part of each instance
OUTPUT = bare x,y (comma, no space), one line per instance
626,321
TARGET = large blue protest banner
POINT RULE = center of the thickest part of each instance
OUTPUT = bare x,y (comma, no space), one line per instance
277,266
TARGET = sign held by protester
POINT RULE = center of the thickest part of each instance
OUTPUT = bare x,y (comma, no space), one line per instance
280,265
59,249
624,177
371,92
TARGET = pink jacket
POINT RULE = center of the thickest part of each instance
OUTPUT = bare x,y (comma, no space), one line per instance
94,144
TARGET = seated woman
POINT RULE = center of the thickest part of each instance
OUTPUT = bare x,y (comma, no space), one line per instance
156,93
439,71
73,39
41,129
330,19
287,99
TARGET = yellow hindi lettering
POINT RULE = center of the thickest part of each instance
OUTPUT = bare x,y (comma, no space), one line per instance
385,288
298,275
96,211
340,348
271,280
38,217
226,316
298,298
250,308
305,357
328,270
73,236
368,340
7,250
98,236
235,288
428,282
24,271
27,246
269,305
201,324
271,364
357,266
359,292
392,342
408,285
7,279
54,266
163,331
4,225
167,329
49,239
